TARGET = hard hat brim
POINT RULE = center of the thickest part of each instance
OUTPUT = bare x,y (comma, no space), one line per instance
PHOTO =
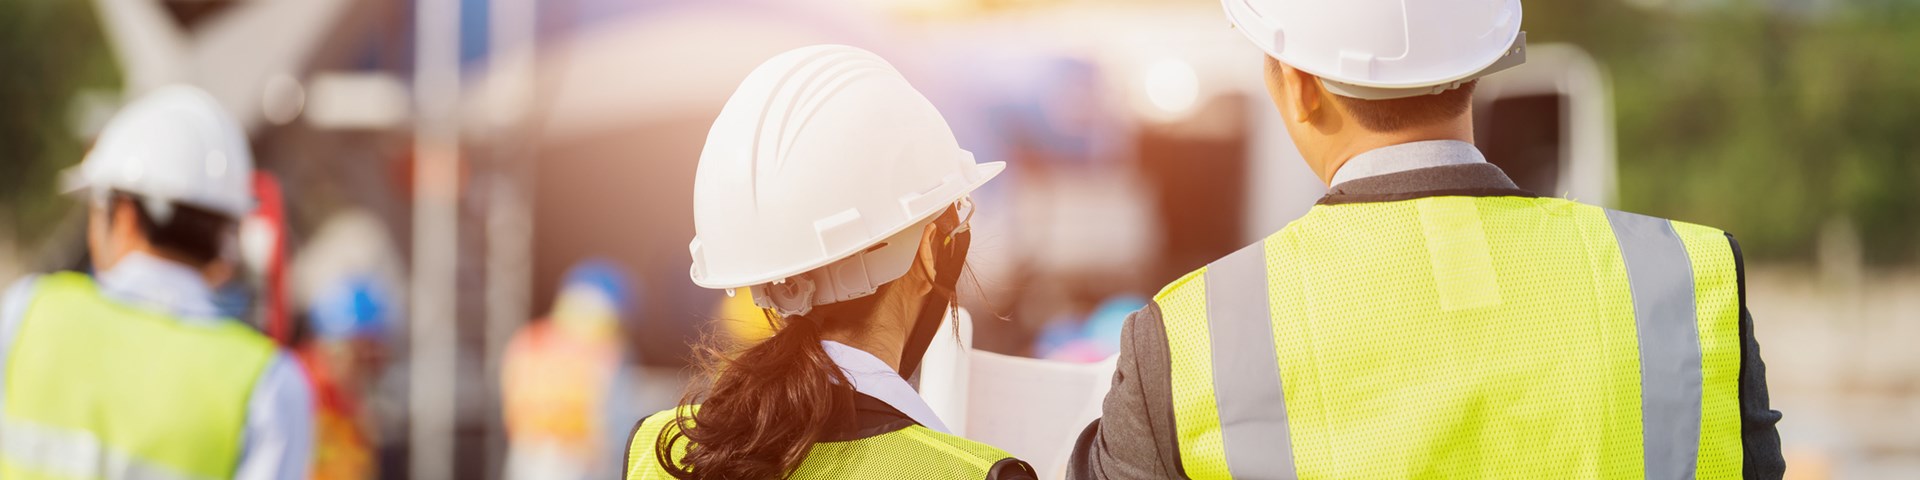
1263,38
73,181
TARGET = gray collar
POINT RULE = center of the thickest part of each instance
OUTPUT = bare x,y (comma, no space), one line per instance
1407,156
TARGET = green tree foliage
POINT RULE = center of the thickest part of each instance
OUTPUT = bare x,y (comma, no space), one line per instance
1767,122
49,49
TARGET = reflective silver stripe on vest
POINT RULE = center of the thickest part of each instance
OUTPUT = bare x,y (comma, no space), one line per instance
1661,278
1246,374
63,453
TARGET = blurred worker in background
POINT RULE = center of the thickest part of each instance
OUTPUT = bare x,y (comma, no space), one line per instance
134,373
1428,318
833,193
1087,339
562,381
344,356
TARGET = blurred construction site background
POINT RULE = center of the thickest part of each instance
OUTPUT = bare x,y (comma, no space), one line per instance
450,169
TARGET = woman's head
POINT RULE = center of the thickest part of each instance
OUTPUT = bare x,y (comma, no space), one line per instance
834,193
818,178
767,403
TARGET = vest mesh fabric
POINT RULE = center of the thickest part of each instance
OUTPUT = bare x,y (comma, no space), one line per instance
1196,421
1717,297
109,391
1458,337
913,452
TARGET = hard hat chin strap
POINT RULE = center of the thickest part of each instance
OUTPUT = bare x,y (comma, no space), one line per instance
947,265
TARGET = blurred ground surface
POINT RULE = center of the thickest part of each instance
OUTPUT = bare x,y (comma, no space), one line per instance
1843,363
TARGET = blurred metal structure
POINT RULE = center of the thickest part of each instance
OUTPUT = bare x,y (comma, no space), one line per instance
437,178
509,210
247,54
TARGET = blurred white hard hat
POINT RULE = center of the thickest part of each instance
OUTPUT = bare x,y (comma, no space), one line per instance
174,145
815,176
1384,49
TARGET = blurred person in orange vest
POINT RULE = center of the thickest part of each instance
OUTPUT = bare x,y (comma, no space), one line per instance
563,380
349,322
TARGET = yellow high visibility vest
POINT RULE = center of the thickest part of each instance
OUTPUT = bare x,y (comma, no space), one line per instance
912,452
98,389
1461,337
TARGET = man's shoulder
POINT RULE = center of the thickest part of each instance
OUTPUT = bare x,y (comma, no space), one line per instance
1696,236
1193,284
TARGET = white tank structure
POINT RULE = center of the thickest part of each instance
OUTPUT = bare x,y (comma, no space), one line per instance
1549,124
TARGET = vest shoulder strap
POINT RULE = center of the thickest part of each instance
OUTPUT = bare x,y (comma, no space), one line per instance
912,452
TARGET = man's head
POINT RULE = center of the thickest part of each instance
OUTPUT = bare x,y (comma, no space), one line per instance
1329,128
1355,75
168,175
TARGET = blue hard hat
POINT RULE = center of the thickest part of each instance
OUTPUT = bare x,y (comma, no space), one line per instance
603,275
354,308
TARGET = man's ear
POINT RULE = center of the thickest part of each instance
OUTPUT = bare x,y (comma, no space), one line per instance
1304,92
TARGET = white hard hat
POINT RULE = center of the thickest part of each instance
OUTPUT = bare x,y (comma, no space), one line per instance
174,145
1384,49
815,176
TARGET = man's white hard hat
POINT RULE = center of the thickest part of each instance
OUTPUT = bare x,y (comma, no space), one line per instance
1384,49
173,145
818,177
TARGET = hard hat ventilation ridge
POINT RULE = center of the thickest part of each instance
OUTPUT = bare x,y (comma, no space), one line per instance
803,92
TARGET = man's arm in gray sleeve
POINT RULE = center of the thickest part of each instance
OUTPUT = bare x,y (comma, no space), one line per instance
1135,437
278,443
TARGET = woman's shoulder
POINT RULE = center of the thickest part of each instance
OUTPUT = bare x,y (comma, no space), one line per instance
642,439
909,451
919,452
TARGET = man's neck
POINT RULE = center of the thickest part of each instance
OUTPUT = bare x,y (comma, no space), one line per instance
1366,141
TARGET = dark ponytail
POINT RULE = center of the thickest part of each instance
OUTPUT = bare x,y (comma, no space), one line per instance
766,404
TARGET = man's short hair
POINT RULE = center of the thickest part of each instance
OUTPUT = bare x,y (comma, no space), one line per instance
193,233
1402,113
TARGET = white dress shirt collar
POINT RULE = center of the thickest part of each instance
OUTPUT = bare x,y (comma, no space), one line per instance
874,378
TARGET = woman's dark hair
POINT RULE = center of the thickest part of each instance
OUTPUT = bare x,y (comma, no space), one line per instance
767,403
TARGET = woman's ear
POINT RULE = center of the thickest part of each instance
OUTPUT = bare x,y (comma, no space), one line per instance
925,259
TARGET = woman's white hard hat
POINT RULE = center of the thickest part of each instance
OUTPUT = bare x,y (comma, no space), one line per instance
1384,49
818,176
